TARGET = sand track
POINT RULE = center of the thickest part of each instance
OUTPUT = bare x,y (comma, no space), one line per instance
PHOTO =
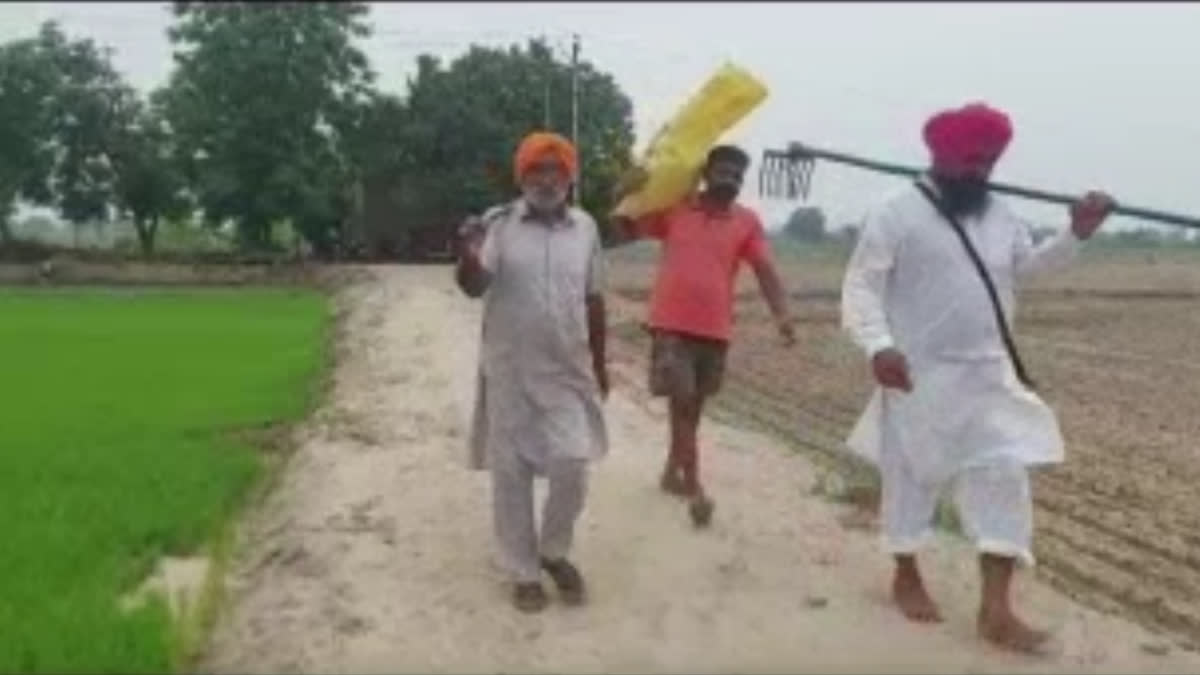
373,554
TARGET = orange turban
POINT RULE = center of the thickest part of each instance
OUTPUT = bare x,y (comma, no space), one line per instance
955,135
540,145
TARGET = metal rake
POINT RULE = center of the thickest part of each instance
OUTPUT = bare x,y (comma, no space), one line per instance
787,174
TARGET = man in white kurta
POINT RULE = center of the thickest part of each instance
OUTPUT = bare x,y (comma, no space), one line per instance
950,412
538,409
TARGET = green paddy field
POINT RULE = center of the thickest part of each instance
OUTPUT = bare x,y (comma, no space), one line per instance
126,422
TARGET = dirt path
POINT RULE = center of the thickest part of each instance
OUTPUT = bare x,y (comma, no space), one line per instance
374,553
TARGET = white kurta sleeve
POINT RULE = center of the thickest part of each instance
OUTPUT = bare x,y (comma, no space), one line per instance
597,270
864,288
1053,254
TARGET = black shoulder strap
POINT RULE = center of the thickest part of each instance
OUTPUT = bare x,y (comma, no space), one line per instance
981,268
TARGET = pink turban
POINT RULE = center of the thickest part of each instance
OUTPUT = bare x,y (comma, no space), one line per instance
954,136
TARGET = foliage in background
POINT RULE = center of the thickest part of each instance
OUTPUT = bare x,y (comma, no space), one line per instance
61,104
807,223
271,125
260,101
451,154
271,122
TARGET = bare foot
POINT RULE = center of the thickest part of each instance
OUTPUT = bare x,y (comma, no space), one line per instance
908,591
701,509
672,483
1005,630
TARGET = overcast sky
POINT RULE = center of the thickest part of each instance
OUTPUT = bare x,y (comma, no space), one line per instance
1101,94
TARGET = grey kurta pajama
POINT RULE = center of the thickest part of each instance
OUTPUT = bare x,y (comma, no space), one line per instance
538,408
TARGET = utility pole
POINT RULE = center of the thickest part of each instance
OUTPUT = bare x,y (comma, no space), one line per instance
547,77
575,114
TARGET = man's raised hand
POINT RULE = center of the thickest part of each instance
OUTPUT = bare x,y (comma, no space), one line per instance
470,237
1090,212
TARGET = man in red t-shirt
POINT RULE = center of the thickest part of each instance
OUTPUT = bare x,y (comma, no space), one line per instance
704,239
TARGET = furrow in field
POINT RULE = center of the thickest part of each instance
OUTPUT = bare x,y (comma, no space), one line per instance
1118,526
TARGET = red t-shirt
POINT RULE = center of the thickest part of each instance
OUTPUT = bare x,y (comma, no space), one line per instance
702,249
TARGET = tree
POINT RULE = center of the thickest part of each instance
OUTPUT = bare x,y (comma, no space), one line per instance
62,107
464,121
262,100
149,184
380,135
28,88
1176,237
807,223
93,109
1143,237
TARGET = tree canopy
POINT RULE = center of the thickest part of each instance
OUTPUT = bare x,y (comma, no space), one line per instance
259,102
62,106
807,223
461,124
272,116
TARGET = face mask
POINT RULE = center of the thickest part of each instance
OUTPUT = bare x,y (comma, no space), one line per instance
723,192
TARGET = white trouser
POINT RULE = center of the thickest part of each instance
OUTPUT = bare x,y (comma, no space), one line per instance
514,520
994,503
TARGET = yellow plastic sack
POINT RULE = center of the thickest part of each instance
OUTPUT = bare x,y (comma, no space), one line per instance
675,155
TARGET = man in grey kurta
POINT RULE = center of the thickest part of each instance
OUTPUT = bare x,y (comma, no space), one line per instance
537,264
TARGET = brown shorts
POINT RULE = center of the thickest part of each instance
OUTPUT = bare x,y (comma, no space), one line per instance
683,366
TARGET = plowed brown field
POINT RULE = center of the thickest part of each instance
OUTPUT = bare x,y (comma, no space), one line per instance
1113,343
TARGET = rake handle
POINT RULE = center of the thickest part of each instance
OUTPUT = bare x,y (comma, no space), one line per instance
797,151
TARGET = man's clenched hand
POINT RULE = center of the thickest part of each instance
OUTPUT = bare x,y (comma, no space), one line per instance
891,370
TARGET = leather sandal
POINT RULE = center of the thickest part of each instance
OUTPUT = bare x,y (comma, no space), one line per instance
529,597
567,578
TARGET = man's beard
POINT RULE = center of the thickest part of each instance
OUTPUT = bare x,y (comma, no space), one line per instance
963,195
545,200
